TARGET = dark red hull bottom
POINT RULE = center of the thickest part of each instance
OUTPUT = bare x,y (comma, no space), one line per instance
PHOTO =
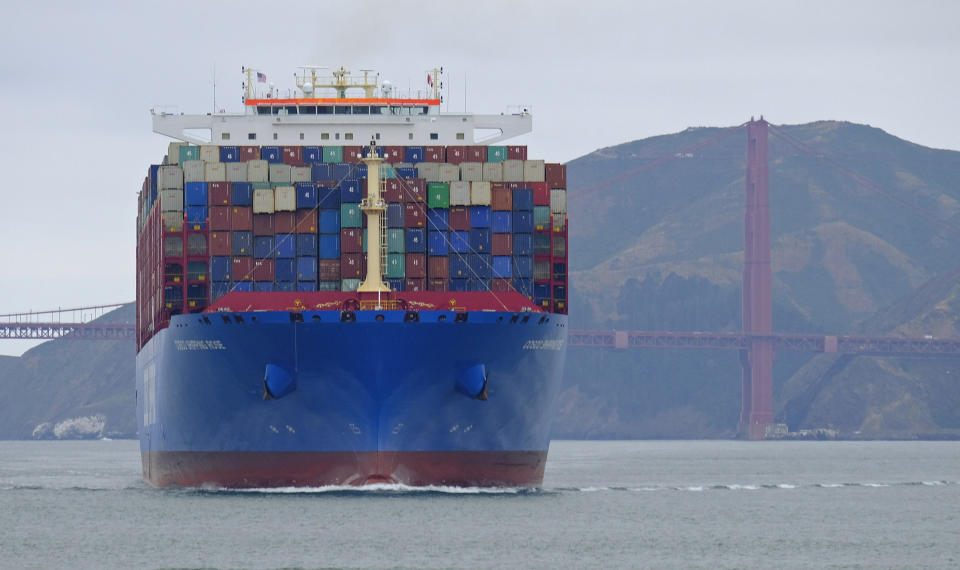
318,469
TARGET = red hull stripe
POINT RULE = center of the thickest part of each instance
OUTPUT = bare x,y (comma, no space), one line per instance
318,469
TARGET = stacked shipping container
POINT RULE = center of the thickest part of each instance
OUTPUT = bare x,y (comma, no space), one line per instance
215,219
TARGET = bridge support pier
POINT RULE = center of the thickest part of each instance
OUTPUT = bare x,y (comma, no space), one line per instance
756,303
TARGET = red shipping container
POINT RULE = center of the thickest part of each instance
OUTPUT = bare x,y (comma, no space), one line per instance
241,218
434,154
307,221
392,190
438,267
292,155
221,243
249,153
352,265
284,222
517,152
437,285
541,193
329,269
515,185
414,285
242,269
263,270
353,154
501,199
457,154
263,225
218,193
501,285
416,215
460,219
351,240
555,175
502,244
219,218
393,154
416,265
476,153
413,189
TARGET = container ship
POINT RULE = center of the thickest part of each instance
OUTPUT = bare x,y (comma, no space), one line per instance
344,285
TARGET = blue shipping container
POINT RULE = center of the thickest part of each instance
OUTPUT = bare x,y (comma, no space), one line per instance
306,269
263,247
309,286
229,154
328,197
195,193
285,270
350,192
502,222
380,151
413,154
359,171
263,286
523,266
312,154
242,243
329,246
416,240
407,172
437,243
241,194
522,244
286,246
523,286
541,290
458,285
306,196
219,289
438,219
154,172
307,245
502,267
220,267
271,154
480,265
459,268
479,216
330,221
285,286
396,215
478,284
321,172
197,216
459,242
480,240
523,222
396,284
523,200
341,171
243,286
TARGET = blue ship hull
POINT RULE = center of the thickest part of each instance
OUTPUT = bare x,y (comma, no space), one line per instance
375,400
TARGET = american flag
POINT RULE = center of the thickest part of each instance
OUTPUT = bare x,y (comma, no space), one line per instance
261,78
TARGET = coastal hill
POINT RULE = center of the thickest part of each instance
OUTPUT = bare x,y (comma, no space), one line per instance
866,240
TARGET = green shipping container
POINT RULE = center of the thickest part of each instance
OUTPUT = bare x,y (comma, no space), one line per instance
496,153
265,185
350,216
396,265
351,284
395,240
387,171
541,217
189,153
333,154
438,194
328,285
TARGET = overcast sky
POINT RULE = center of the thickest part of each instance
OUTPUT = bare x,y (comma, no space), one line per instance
77,80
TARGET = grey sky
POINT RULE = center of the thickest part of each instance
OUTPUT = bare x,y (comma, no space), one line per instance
77,81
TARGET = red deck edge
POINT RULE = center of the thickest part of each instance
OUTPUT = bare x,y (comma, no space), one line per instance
507,301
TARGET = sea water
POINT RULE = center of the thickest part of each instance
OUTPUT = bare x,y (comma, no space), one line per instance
625,504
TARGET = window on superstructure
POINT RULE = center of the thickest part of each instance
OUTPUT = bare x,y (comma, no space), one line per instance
324,136
361,110
348,136
377,136
379,110
291,109
225,136
324,110
251,136
301,136
308,110
336,136
341,110
434,136
274,136
459,136
263,110
410,136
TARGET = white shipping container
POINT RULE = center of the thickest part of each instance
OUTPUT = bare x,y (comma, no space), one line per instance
173,152
480,193
193,171
214,172
285,199
169,177
459,193
171,201
471,171
300,174
512,170
236,171
493,171
429,171
558,201
449,172
258,171
533,171
279,173
209,153
172,222
263,200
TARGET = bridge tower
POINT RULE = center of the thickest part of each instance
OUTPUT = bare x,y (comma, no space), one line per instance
756,361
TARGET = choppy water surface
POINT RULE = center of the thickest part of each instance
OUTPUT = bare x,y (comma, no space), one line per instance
715,504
